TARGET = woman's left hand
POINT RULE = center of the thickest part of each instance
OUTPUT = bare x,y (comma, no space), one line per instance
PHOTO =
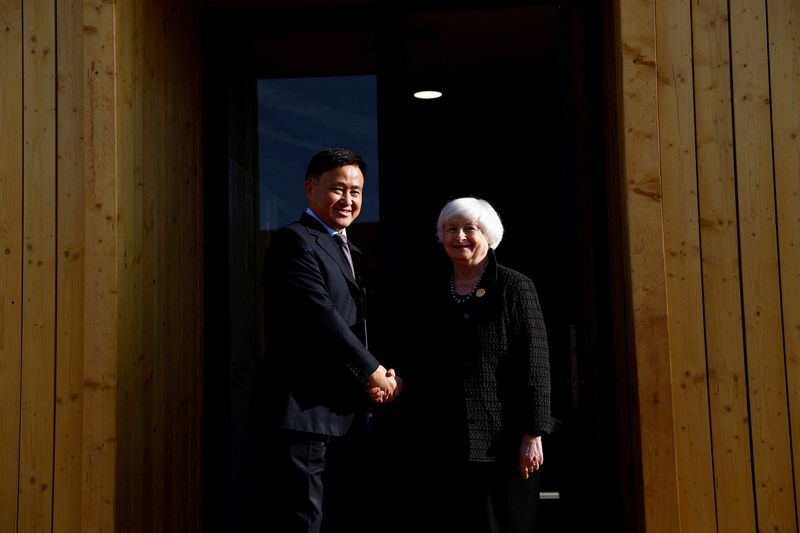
531,455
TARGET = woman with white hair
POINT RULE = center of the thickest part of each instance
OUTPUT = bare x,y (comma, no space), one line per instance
483,390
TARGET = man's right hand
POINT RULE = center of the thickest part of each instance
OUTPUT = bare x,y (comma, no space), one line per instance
383,385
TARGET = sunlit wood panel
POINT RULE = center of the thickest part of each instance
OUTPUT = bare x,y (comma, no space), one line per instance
682,266
721,281
645,246
766,370
784,75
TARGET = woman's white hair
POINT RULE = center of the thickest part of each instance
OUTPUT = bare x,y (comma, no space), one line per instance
475,210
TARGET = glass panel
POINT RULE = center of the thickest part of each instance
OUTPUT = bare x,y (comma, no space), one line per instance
298,117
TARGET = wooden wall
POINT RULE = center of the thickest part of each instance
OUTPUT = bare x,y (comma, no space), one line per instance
100,262
99,266
709,106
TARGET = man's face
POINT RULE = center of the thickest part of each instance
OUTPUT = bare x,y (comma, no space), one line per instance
335,197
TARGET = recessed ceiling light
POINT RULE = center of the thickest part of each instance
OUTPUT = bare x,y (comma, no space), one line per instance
427,95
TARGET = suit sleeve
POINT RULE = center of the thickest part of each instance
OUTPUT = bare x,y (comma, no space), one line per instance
296,284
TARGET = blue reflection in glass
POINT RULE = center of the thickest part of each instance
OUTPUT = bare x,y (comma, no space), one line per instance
298,117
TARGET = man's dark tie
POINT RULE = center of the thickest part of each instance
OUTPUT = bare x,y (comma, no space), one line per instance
342,240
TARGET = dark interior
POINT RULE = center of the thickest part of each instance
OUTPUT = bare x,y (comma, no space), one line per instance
522,124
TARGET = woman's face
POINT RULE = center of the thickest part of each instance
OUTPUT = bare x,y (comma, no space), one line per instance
464,242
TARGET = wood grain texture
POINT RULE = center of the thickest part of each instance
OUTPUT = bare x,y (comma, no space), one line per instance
101,326
766,369
159,400
132,466
683,269
10,256
38,268
70,305
721,276
784,75
156,164
100,262
645,246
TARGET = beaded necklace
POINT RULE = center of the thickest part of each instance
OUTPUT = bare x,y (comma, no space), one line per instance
460,299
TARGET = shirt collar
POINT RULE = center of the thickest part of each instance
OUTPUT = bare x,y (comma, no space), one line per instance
330,231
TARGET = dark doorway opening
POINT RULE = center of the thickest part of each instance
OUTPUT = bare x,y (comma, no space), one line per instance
521,124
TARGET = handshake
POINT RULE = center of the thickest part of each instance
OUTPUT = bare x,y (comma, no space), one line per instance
383,385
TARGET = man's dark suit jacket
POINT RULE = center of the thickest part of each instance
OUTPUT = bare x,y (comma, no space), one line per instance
316,359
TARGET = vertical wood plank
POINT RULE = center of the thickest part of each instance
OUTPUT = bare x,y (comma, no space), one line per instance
644,231
154,247
70,272
10,256
784,60
682,262
166,255
132,470
761,292
176,456
158,169
39,264
182,64
624,363
721,281
100,362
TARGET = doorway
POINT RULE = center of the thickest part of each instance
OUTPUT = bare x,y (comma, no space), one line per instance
520,123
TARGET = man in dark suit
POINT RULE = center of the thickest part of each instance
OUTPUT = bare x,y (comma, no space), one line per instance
321,376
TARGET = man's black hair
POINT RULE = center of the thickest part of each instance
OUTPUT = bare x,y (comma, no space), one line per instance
334,158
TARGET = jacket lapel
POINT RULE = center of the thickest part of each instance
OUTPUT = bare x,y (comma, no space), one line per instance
330,247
